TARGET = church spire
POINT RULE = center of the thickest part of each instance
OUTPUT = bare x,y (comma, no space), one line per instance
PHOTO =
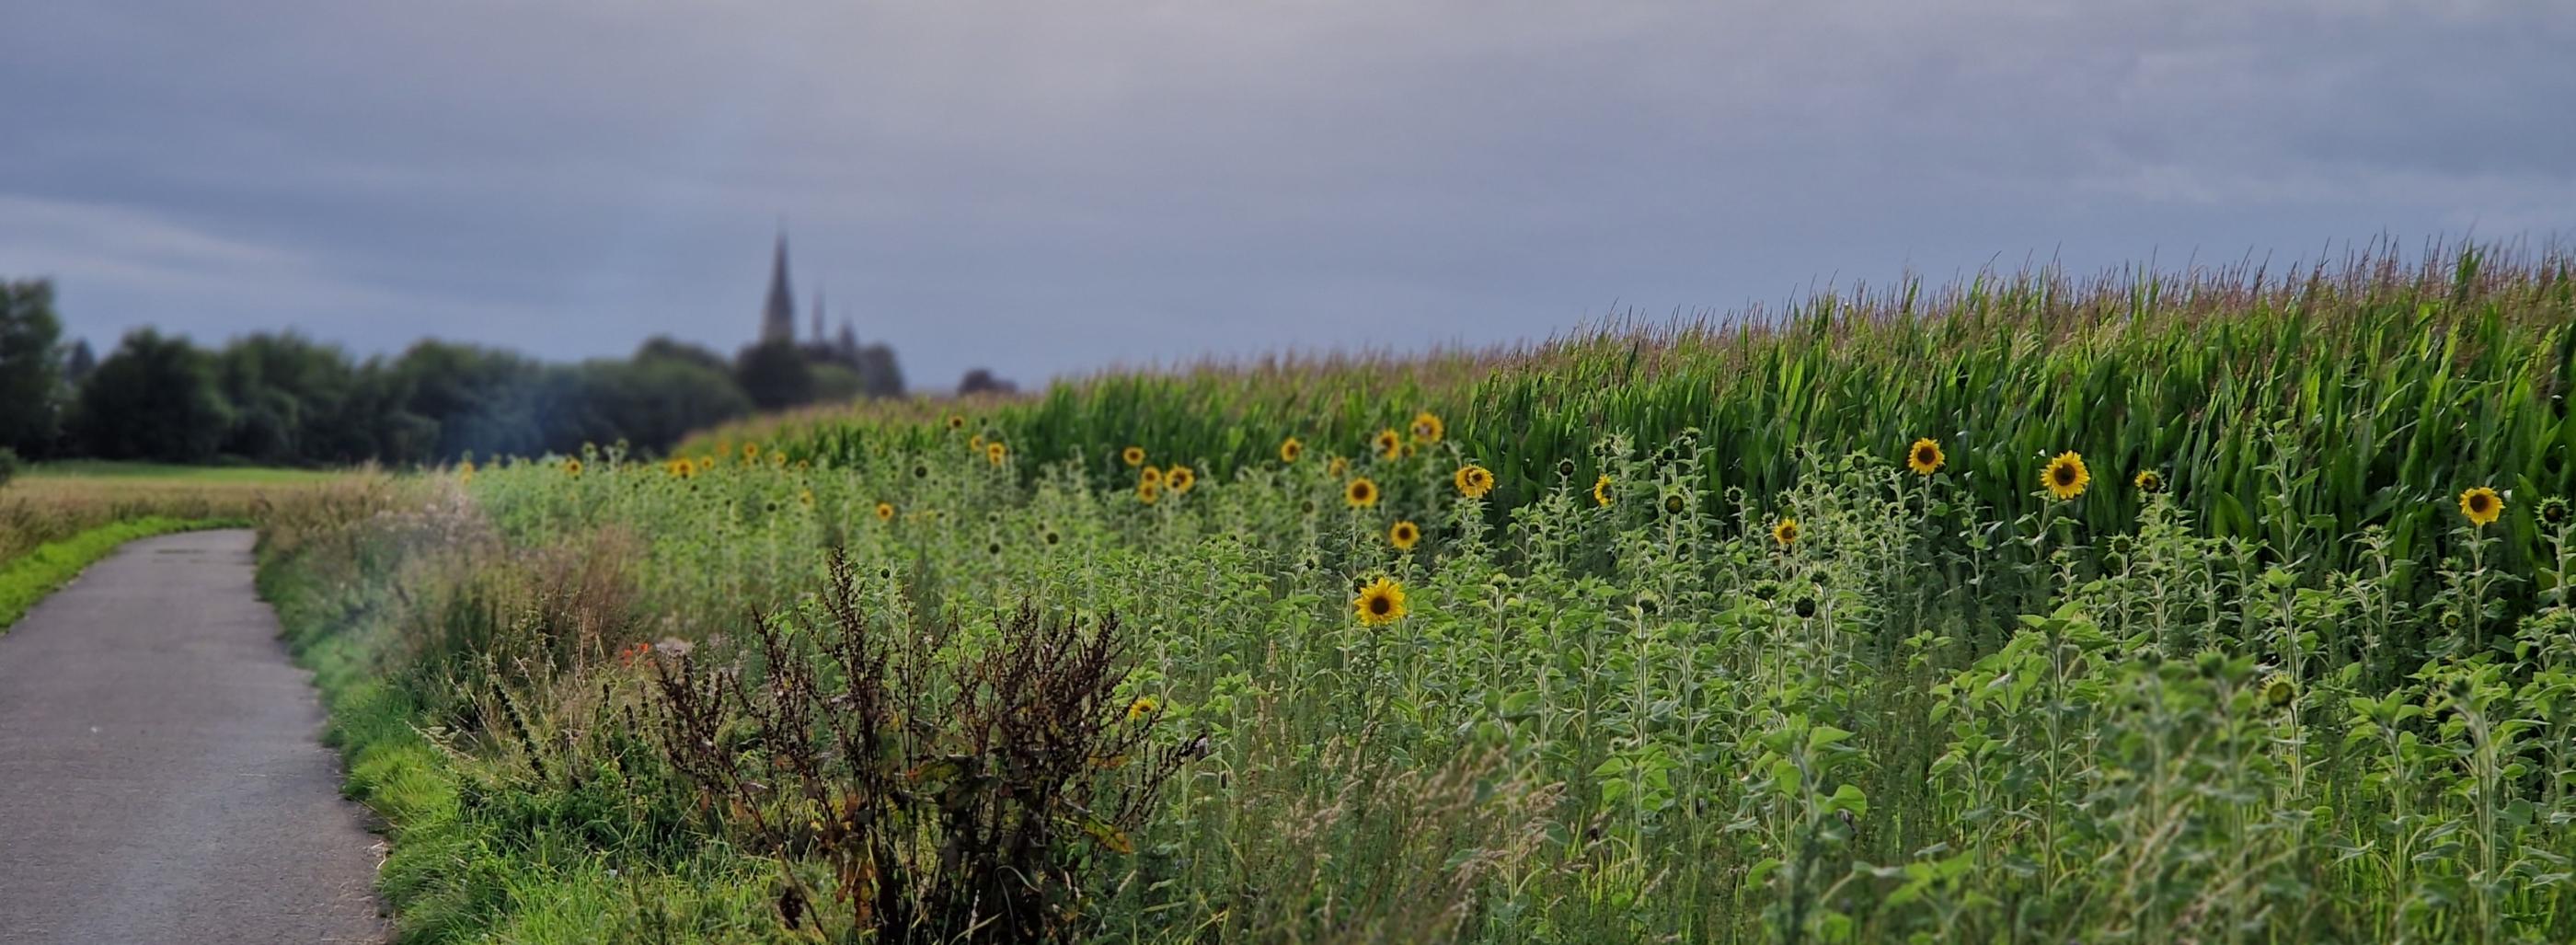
818,313
778,318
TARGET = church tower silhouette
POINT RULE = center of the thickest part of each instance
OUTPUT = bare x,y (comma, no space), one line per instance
778,318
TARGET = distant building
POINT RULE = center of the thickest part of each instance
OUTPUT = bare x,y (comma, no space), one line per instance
778,318
844,368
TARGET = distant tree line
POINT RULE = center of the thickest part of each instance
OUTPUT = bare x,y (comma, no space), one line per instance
283,399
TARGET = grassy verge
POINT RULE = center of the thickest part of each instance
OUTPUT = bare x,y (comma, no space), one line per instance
478,852
26,579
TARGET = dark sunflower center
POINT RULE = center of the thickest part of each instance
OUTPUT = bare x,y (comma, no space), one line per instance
1923,456
2479,502
1673,504
2065,475
1380,604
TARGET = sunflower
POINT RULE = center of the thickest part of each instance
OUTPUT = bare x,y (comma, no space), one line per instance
975,443
1380,603
2279,690
572,467
921,470
1142,707
1675,504
1387,443
956,421
1132,456
1786,532
2553,510
1601,490
706,463
1925,456
777,460
750,452
995,451
885,511
1361,493
2066,476
1339,467
1474,481
465,473
805,497
2148,482
1427,427
1180,479
2482,505
1290,449
1148,490
1565,468
1152,474
1404,535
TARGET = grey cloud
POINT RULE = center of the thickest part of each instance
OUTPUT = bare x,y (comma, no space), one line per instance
1044,187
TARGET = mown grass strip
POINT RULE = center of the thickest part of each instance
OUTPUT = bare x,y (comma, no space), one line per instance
26,579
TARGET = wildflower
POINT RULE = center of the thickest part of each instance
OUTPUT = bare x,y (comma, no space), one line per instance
2065,476
1148,490
572,467
1601,490
1388,444
1427,427
1339,467
750,452
1150,474
706,463
2553,510
1290,449
975,443
2482,505
1361,493
1142,707
1474,481
1133,456
2279,690
1180,479
994,452
806,497
2148,482
1380,603
956,421
1925,457
885,511
1786,532
1404,535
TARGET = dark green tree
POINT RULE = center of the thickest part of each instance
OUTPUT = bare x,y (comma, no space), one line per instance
774,375
31,386
155,398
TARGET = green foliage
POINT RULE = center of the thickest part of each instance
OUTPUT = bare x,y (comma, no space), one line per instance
9,464
154,398
30,373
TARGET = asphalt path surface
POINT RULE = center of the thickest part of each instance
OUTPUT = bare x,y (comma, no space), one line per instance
159,775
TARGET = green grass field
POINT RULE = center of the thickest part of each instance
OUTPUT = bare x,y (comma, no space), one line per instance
2231,609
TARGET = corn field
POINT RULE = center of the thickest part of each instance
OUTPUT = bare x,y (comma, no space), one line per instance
2227,608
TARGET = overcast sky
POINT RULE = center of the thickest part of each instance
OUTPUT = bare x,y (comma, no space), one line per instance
1054,186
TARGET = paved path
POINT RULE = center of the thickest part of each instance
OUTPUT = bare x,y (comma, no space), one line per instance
159,778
